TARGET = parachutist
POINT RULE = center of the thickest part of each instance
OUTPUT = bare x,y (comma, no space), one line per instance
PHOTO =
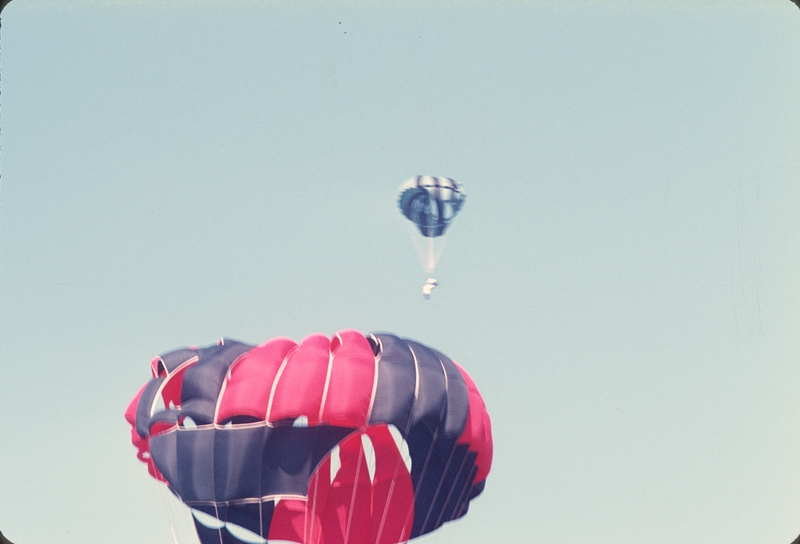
430,204
428,287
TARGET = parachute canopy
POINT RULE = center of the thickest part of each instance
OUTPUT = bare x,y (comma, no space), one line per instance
431,203
354,439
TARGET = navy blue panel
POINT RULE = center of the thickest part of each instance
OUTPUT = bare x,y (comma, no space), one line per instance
446,497
204,379
477,489
146,400
425,474
442,471
442,474
164,452
214,536
286,464
292,454
471,491
200,410
206,535
457,483
209,509
218,465
175,358
325,438
228,538
223,347
457,398
196,461
397,378
253,517
237,461
440,400
430,407
164,416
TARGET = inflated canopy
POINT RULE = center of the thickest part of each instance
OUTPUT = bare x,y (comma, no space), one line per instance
430,203
354,439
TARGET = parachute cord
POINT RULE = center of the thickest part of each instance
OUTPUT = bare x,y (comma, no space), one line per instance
422,476
428,248
444,476
168,510
388,500
391,487
463,498
214,481
353,497
305,520
431,263
438,489
219,529
450,493
309,537
261,518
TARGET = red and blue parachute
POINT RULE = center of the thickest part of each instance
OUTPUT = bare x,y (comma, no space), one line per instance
354,439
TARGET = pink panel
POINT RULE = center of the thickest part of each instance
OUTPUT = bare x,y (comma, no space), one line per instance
318,488
347,510
161,427
130,412
287,521
478,430
351,381
249,383
171,390
302,381
354,509
392,492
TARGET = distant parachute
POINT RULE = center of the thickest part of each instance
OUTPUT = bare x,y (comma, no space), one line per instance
354,439
430,204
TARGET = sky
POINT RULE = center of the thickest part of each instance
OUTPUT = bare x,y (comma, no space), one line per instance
623,282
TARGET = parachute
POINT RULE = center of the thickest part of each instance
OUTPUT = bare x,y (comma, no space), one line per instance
354,439
430,204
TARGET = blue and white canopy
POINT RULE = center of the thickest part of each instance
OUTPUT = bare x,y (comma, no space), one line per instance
431,203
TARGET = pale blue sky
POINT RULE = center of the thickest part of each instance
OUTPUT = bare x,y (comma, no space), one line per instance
623,283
